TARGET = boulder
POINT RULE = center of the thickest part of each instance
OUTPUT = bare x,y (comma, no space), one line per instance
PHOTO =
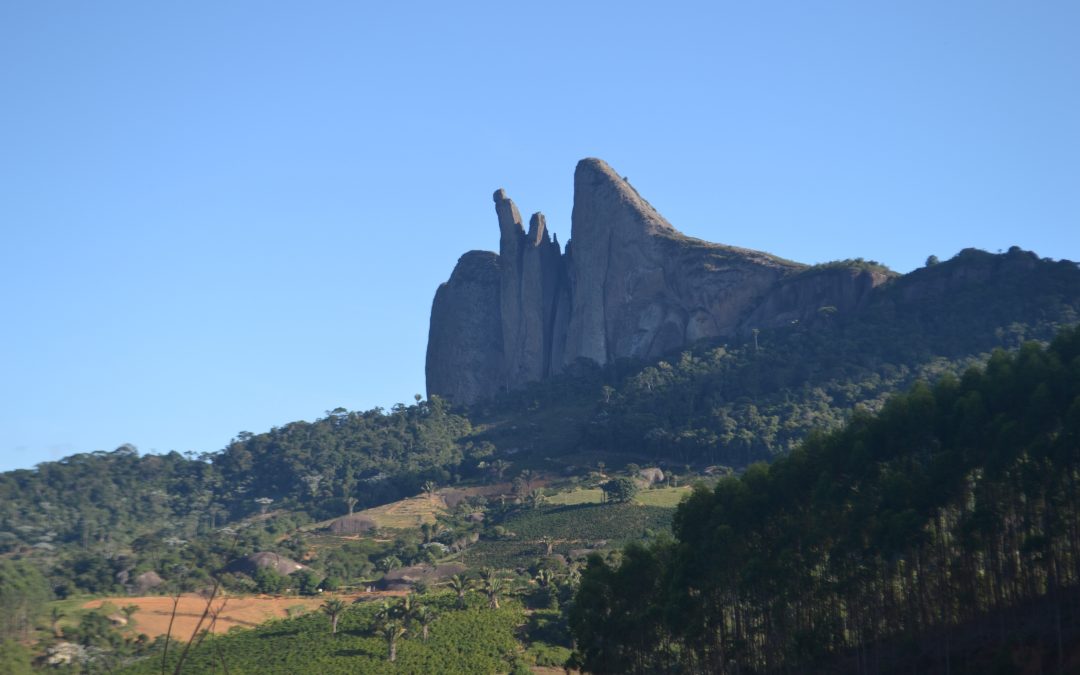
146,582
354,523
651,475
250,564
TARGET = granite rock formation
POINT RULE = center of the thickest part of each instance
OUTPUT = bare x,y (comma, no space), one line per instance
465,341
628,285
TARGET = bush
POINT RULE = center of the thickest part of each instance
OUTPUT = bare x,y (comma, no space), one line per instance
620,490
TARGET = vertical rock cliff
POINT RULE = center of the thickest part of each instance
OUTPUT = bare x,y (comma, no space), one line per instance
628,285
532,282
464,352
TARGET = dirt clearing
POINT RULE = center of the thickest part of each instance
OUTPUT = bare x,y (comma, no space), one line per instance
154,612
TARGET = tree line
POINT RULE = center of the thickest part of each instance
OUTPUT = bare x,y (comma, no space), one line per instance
957,502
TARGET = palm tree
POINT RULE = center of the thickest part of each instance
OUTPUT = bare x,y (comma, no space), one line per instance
429,488
406,611
384,613
392,631
460,586
537,498
333,608
500,466
526,477
425,617
544,578
492,586
549,543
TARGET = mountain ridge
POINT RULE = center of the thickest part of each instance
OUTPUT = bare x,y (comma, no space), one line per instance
627,284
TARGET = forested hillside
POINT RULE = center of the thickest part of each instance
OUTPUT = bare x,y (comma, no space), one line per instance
755,397
118,523
93,521
751,398
866,548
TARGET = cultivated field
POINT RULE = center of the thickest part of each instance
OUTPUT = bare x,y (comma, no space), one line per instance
155,611
668,497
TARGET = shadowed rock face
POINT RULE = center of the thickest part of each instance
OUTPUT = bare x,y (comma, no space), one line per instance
628,285
465,344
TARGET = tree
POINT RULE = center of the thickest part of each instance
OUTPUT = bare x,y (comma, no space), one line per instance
499,468
406,609
392,631
548,542
55,616
537,498
931,260
620,490
492,585
460,586
527,477
264,503
23,594
333,608
14,658
307,582
269,580
429,489
425,616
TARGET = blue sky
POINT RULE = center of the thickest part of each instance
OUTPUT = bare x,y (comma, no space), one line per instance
222,217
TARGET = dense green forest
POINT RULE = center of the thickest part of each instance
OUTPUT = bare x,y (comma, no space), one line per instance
958,501
96,520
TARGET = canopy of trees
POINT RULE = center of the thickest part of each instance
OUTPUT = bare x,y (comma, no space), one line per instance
956,502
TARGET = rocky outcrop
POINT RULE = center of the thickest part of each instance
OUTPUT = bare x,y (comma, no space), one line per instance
639,287
628,285
814,295
465,344
532,285
250,564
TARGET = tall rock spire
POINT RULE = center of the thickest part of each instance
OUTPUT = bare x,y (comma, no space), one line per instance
531,268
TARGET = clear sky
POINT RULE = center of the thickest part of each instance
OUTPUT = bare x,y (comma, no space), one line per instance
225,216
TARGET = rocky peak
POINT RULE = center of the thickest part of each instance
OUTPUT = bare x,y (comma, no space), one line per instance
602,197
507,213
537,230
628,285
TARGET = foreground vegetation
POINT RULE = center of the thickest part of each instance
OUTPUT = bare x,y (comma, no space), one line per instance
474,639
956,502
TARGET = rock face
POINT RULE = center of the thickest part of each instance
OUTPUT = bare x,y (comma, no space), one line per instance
628,285
465,342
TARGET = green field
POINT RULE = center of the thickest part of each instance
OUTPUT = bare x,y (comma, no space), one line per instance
578,496
665,497
472,640
574,526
